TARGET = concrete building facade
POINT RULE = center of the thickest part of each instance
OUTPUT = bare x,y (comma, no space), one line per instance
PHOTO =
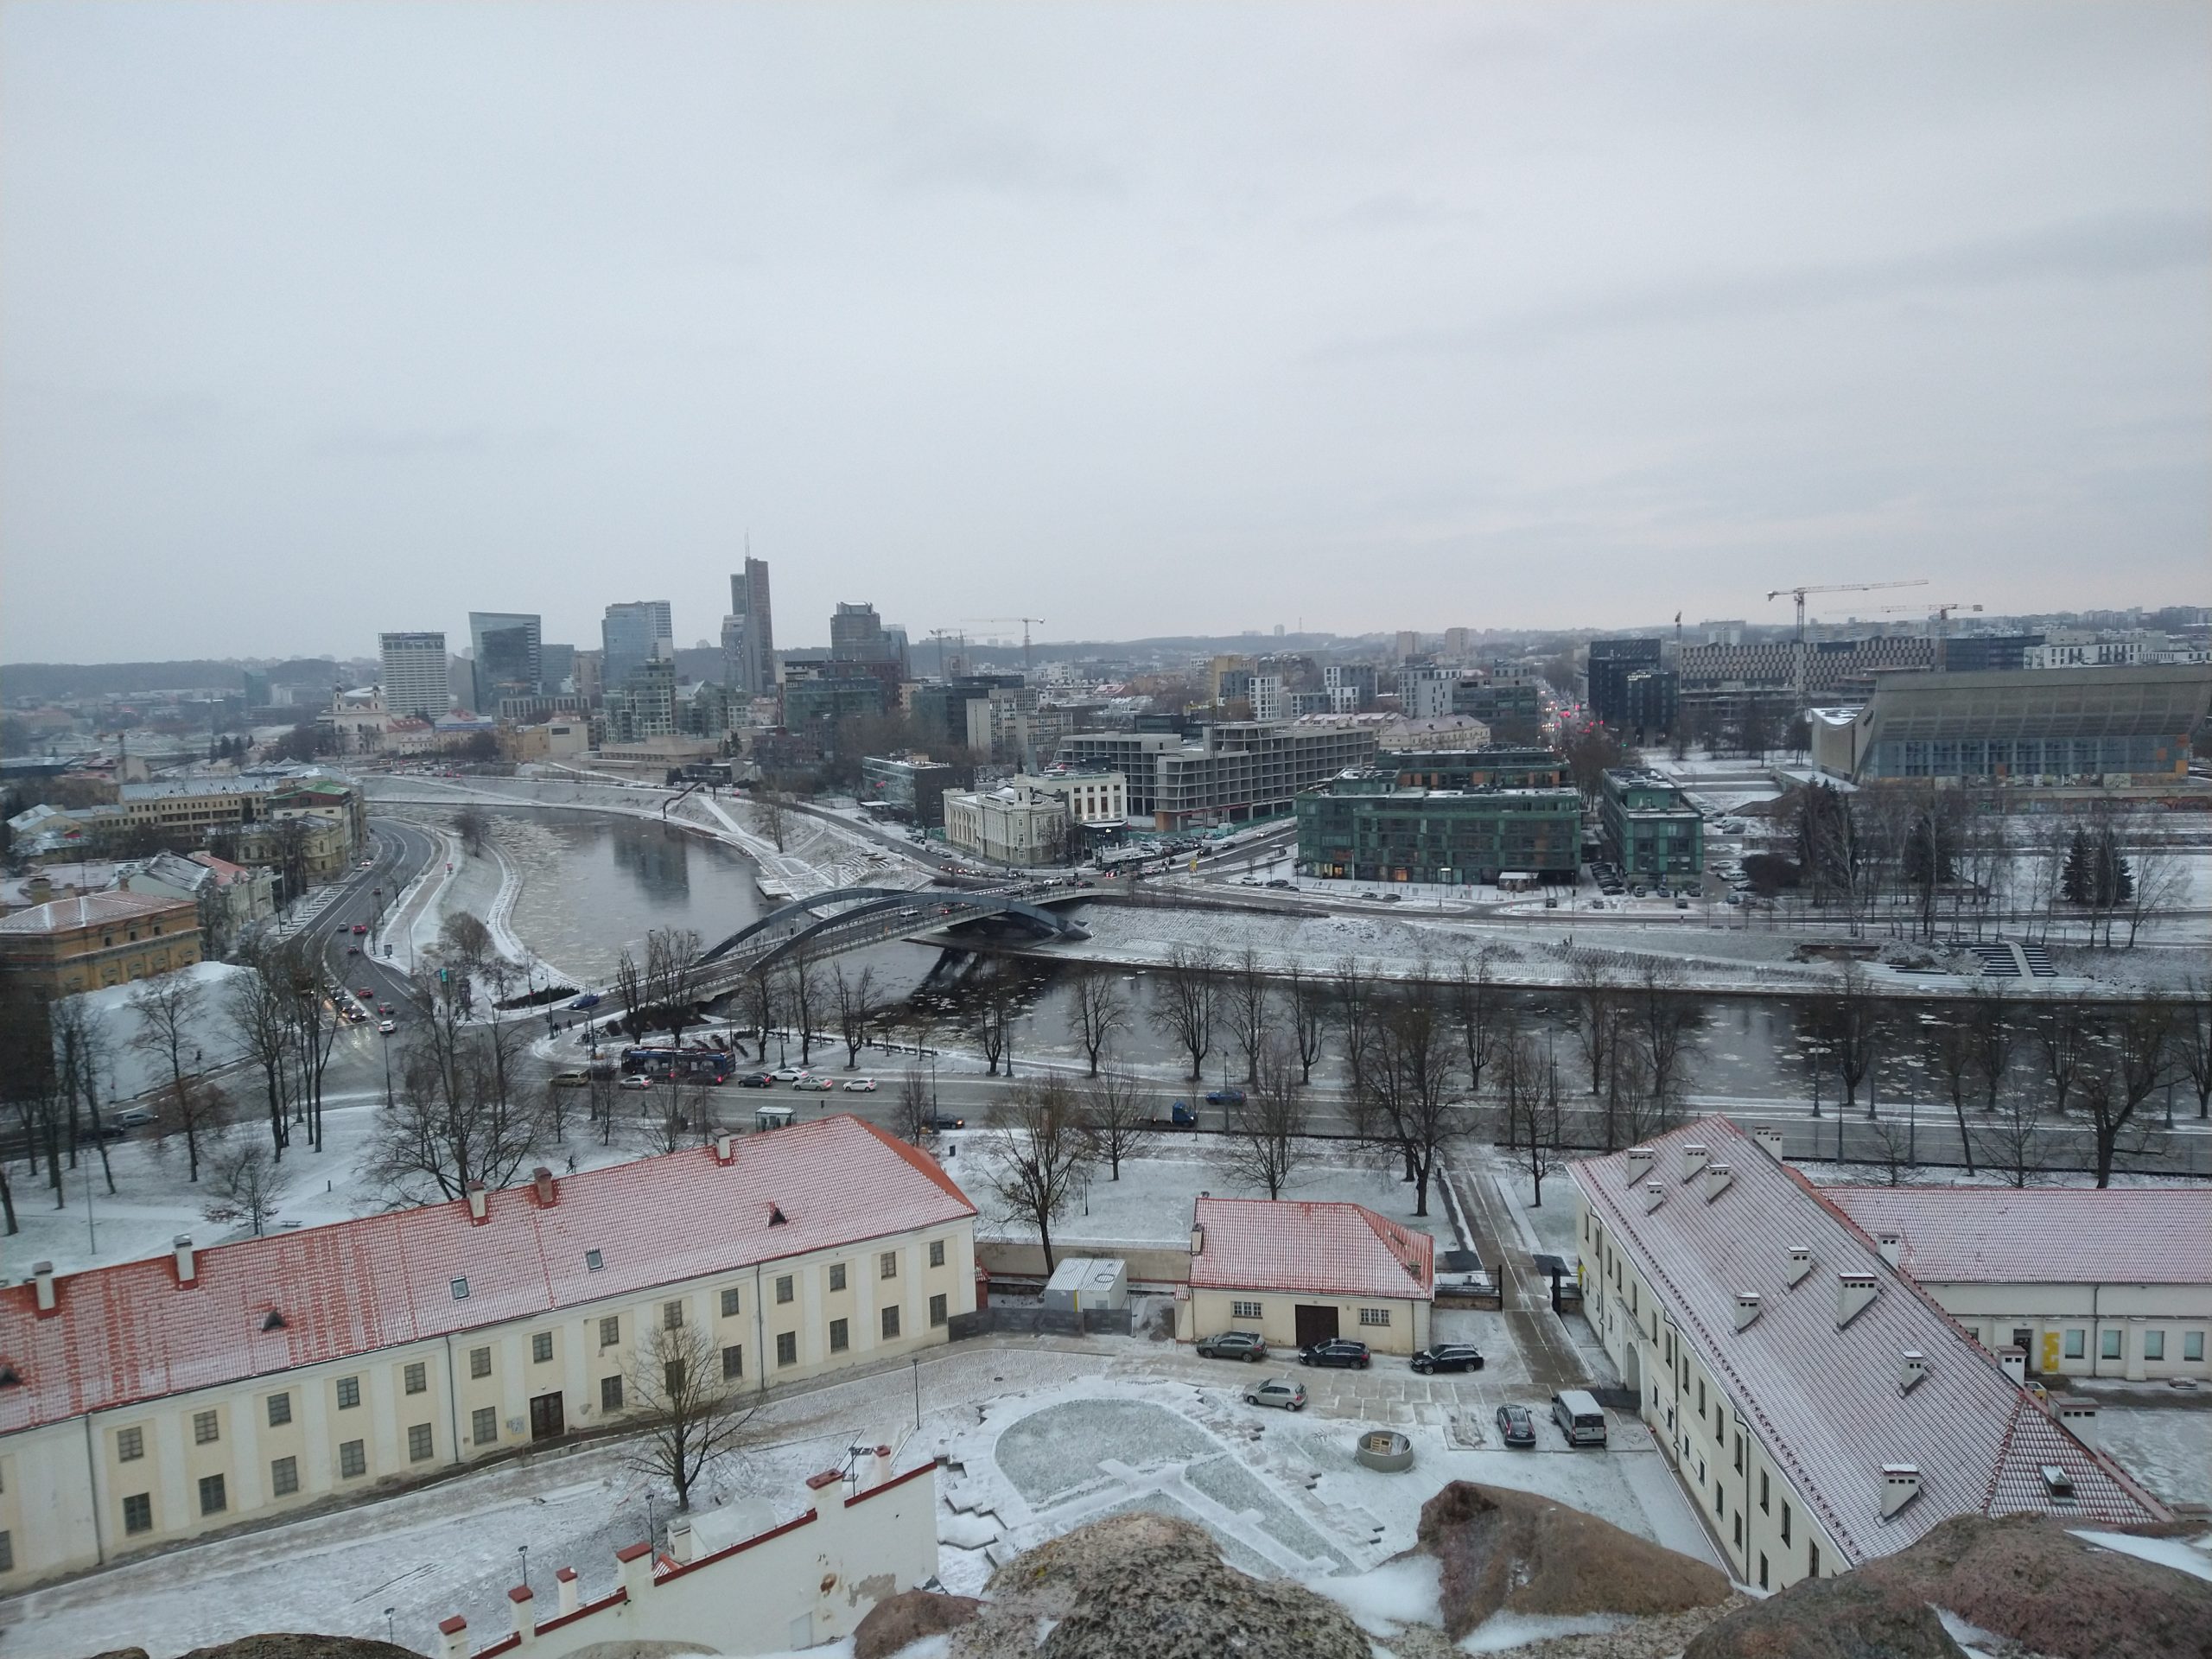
1008,825
415,674
1363,826
1648,828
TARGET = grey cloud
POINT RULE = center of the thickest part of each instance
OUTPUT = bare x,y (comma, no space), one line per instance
996,158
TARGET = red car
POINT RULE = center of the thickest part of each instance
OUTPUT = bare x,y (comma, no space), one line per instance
366,994
360,928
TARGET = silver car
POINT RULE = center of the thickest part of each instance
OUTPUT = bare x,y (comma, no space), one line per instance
1287,1392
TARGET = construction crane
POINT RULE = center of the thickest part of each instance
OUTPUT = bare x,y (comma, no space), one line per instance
1798,593
943,634
1024,621
1939,618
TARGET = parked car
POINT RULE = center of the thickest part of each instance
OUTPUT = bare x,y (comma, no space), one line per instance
1340,1351
814,1085
572,1080
1234,1344
1515,1426
755,1079
787,1074
1225,1096
1448,1357
637,1080
942,1121
860,1085
1287,1392
131,1116
1681,903
1284,885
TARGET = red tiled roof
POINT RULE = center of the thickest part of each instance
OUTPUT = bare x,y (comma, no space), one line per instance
2043,1236
1324,1249
130,1332
88,911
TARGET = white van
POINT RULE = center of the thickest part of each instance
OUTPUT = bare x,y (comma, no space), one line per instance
1579,1417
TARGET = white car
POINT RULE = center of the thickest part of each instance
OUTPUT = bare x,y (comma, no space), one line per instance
131,1117
387,1027
637,1080
787,1074
860,1085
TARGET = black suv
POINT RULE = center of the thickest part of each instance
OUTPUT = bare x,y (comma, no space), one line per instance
1341,1350
1448,1357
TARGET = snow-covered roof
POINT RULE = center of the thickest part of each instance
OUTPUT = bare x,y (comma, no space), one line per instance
130,1333
2042,1235
88,910
1826,1398
1323,1249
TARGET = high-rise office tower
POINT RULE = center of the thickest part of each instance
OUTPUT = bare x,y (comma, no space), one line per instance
755,663
633,635
507,644
415,674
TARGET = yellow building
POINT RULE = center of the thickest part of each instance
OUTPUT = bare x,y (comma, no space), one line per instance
1301,1273
67,945
161,1400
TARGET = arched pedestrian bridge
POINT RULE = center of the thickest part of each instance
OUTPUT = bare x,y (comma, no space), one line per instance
847,918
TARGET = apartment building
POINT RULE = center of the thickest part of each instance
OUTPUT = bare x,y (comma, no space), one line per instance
1819,1407
415,678
67,945
1008,825
1364,826
1239,769
1648,829
162,1400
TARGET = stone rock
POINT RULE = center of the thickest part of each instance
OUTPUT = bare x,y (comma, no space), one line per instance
1500,1550
1847,1617
286,1646
908,1617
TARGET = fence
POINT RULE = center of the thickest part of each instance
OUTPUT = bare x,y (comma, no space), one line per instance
1041,1322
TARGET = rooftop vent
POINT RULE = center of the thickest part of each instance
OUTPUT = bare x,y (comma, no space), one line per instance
1198,1239
2015,1362
273,1320
1692,1160
1900,1485
8,1376
543,1184
2079,1417
1912,1370
1800,1263
725,1147
1853,1291
42,1278
1769,1140
1718,1178
1891,1242
1654,1194
776,1217
1747,1307
478,1199
188,1262
1639,1163
593,1260
2057,1482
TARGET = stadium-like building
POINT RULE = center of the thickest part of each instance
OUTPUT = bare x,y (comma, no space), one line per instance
2124,727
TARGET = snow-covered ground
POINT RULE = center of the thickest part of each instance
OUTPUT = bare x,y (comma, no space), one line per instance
2168,1449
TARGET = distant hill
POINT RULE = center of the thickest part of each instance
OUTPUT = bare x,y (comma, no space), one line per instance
116,679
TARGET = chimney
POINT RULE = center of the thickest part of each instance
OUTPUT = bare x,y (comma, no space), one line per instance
542,1183
635,1562
43,1276
1717,1180
571,1593
187,1265
1198,1239
1692,1160
679,1540
1800,1263
1639,1163
1891,1242
1654,1194
1853,1291
1900,1485
1769,1140
827,1492
2080,1418
453,1637
881,1471
2015,1362
1747,1307
479,1204
725,1147
525,1616
1912,1370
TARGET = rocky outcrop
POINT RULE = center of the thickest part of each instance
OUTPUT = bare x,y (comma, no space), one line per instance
1153,1585
908,1617
1502,1550
303,1647
1847,1617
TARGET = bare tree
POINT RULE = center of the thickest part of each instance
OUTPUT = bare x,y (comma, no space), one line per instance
1115,1118
1358,1009
473,825
672,979
1187,1000
674,1115
858,1004
802,998
1308,997
1995,1036
759,1003
82,1051
1245,1003
771,815
1479,1009
996,1009
1098,1009
459,1117
2012,1136
1528,1094
2066,1037
171,1009
1266,1144
2161,882
1894,1145
915,1115
1664,1020
2192,1024
249,1183
603,1094
2125,1070
1952,1045
1593,1001
465,942
630,991
1407,1102
1039,1155
1853,1020
260,1006
689,1397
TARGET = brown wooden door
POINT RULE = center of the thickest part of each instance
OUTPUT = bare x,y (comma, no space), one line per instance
546,1422
1315,1323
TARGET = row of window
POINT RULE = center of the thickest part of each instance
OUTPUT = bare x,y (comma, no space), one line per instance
2111,1344
283,1477
1368,1316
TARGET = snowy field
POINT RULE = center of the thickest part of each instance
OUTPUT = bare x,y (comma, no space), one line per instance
2168,1449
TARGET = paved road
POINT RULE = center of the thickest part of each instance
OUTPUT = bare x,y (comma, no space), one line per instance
1553,1361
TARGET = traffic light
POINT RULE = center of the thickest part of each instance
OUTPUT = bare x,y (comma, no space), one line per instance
441,976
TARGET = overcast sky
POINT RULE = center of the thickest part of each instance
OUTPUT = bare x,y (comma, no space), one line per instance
323,319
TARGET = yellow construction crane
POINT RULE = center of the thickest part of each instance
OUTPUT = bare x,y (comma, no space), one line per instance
1024,621
1798,593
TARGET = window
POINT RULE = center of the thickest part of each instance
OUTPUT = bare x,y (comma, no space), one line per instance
1812,1560
593,1260
421,1447
352,1460
672,1378
138,1512
729,1303
890,1323
129,1445
280,1410
461,1290
1720,1498
349,1393
206,1427
837,1275
541,1346
787,1348
937,1310
784,1289
2154,1345
1244,1310
839,1340
732,1362
1785,1519
1763,1571
484,1425
479,1362
2192,1345
284,1477
1374,1316
1701,1397
610,1394
936,1252
2077,1344
887,1265
1740,1529
2109,1343
417,1378
214,1499
672,1316
1762,1508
